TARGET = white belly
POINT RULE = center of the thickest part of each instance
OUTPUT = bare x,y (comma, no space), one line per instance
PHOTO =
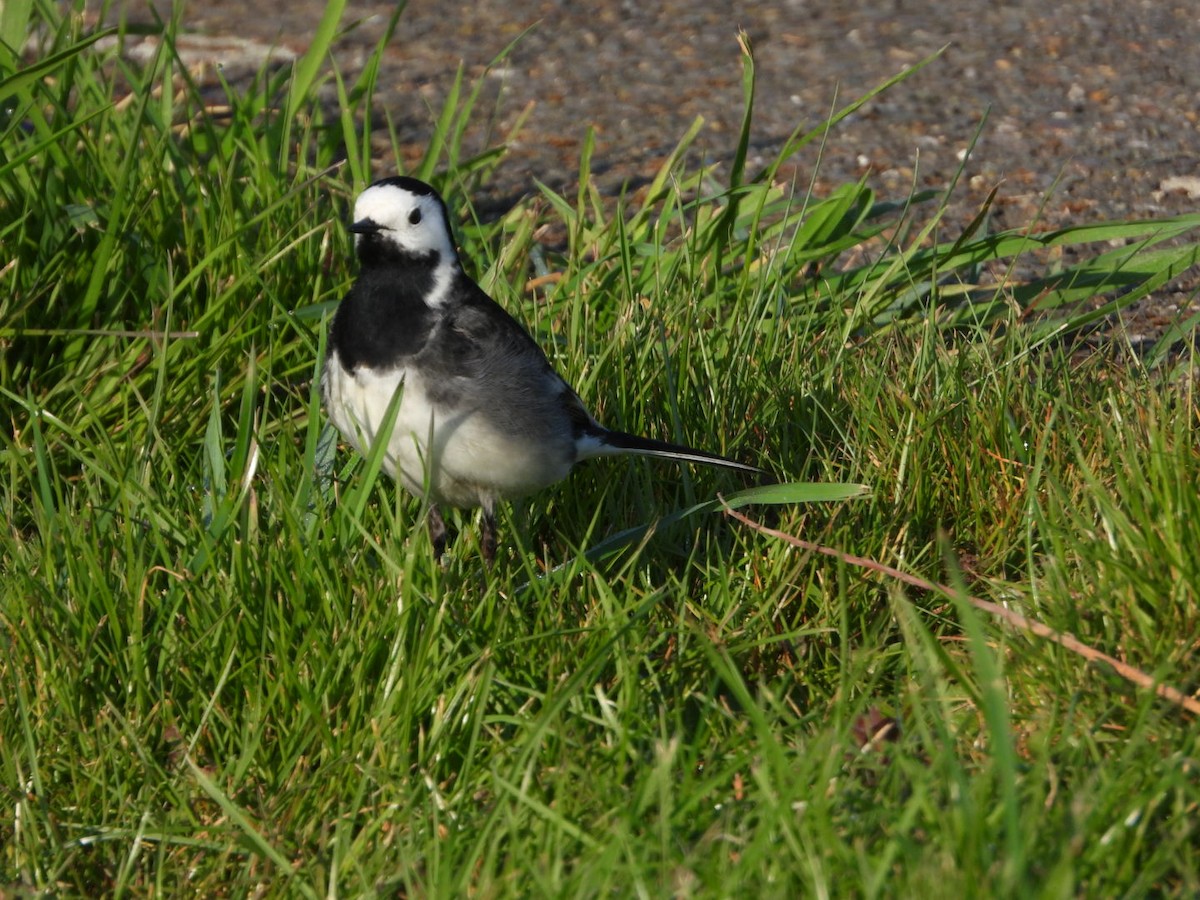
452,456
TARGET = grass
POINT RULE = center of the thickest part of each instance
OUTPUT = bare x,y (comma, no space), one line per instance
228,663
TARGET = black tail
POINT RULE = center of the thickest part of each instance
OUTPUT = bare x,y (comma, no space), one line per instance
611,443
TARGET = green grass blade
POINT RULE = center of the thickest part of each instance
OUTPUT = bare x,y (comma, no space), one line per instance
252,835
307,68
26,77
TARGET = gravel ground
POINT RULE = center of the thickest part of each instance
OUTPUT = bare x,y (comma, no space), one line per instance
1098,100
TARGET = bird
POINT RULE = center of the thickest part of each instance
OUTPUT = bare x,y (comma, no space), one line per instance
482,416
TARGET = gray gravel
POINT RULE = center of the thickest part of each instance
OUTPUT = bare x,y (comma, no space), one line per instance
1099,101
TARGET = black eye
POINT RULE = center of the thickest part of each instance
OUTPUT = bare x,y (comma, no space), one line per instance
415,216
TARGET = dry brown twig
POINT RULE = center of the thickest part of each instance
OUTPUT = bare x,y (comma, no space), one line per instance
1016,620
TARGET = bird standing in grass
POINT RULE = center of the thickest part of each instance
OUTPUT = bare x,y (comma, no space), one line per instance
482,416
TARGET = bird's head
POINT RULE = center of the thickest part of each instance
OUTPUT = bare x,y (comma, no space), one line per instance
401,218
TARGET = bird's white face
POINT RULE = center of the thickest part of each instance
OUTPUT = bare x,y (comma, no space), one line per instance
415,223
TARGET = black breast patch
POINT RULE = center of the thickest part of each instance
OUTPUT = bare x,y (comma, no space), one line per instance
384,319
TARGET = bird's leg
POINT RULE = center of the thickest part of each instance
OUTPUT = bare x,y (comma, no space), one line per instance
437,531
487,533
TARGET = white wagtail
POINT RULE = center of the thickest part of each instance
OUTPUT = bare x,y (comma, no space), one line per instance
482,416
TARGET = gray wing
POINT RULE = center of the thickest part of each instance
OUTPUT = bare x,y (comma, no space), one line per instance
479,357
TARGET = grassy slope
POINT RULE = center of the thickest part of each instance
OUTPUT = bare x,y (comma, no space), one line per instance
228,661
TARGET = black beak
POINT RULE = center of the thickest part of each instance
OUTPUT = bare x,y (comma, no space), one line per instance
366,226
